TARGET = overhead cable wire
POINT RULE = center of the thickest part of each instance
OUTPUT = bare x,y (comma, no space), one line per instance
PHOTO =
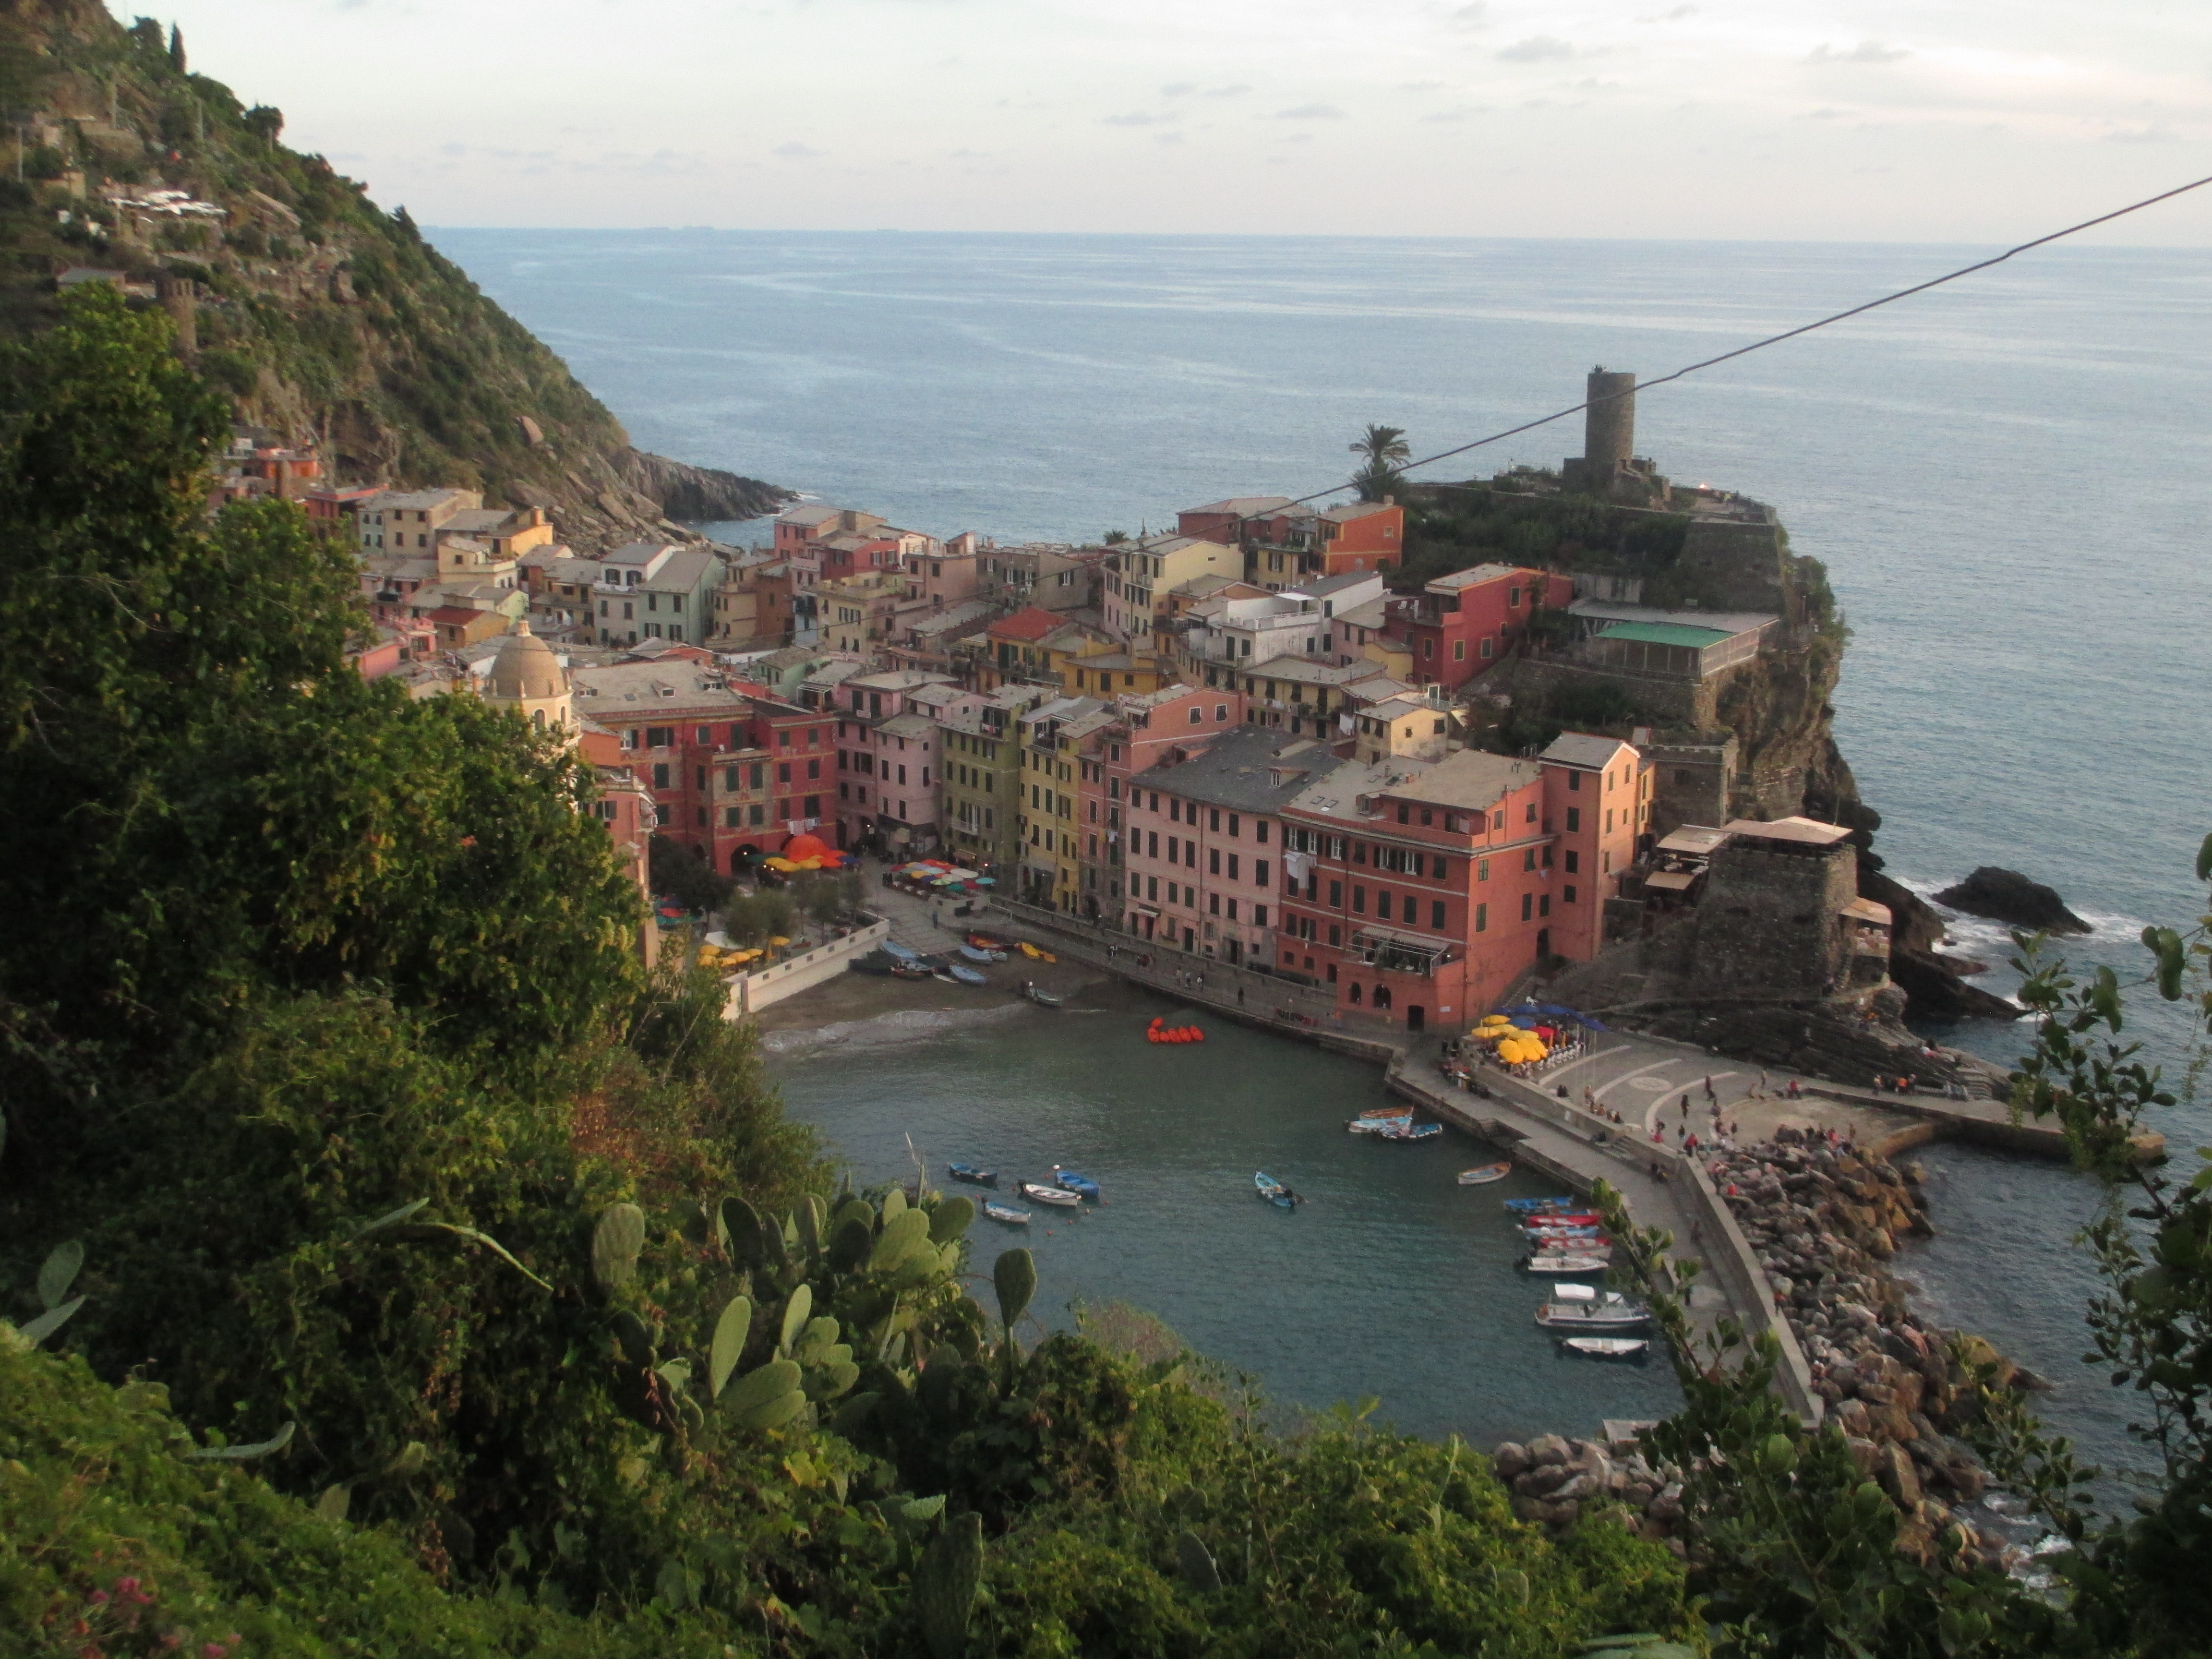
1787,334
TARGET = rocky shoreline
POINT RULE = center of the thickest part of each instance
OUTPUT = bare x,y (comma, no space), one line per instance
1824,1221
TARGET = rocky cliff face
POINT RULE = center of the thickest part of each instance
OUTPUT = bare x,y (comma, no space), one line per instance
1777,710
324,317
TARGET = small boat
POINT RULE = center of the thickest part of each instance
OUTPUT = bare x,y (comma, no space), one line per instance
1035,955
1560,1262
972,1174
985,942
1005,1213
1563,1236
901,970
1039,1193
1274,1192
1535,1206
1606,1347
965,975
1082,1185
1613,1312
975,955
1043,999
1411,1132
1376,1126
1561,1218
1485,1176
891,947
874,963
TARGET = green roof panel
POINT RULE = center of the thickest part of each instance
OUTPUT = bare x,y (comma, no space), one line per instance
1696,639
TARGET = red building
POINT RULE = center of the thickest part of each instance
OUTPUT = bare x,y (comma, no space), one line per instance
1422,891
1292,542
726,770
1459,625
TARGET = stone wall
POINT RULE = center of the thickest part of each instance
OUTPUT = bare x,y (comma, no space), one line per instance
1691,780
1768,921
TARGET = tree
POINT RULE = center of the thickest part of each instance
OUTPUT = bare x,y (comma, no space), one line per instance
1384,447
1116,538
177,47
265,122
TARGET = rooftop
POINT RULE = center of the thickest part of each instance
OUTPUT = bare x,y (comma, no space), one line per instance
1693,639
1245,506
1796,831
1727,622
1474,576
1580,749
1472,780
1027,625
1245,770
1351,510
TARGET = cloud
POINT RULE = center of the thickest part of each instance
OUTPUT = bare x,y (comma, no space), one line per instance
1135,118
2156,133
1475,15
1180,89
1311,112
1237,91
1167,137
1422,86
1536,49
1465,112
795,151
1824,113
1867,51
1673,16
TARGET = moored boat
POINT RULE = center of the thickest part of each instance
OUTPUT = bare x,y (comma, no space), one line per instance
1485,1176
975,955
1562,1262
1082,1185
1035,954
1043,999
1607,1347
1059,1197
1006,1214
1411,1132
986,942
1531,1205
1274,1191
965,975
973,1175
891,947
1611,1312
1379,1119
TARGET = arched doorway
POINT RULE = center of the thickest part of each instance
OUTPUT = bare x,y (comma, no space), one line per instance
1381,996
1352,996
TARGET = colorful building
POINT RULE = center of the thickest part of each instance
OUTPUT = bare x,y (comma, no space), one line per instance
1460,625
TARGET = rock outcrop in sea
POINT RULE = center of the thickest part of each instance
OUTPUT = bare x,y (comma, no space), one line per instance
2007,895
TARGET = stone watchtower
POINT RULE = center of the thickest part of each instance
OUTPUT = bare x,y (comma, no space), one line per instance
527,676
1607,467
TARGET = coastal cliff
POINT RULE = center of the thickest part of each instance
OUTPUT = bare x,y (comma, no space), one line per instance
1769,724
325,318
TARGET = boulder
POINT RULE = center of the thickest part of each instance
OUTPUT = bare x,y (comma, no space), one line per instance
1549,1450
1510,1459
1899,1479
2007,895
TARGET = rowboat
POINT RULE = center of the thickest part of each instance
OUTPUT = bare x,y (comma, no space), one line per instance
1563,1262
902,969
975,955
891,947
985,942
972,1174
1274,1192
1532,1205
1580,1230
1606,1347
1376,1126
1559,1223
1613,1313
1412,1132
965,975
1485,1176
1081,1185
1043,999
874,963
1037,1192
1005,1213
1035,955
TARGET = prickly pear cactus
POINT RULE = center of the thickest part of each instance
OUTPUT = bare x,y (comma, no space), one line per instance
950,1219
616,1242
1014,1277
944,1582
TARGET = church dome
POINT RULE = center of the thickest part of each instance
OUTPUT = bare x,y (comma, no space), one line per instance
525,669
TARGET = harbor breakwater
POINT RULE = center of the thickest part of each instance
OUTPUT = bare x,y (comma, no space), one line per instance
1823,1221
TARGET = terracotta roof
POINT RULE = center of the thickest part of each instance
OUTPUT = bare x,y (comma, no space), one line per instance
1029,625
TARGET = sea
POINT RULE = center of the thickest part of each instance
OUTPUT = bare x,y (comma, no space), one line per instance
2008,478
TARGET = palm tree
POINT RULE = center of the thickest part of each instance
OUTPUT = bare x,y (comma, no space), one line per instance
1384,447
1386,450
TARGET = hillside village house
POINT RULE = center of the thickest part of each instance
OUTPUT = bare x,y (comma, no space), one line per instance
656,591
1461,624
1283,544
980,752
888,786
1140,575
408,520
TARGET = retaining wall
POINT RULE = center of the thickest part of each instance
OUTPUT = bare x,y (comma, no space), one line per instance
750,992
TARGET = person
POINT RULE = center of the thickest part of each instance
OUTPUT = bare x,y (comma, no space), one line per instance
1708,1089
1795,1092
1240,996
1691,1144
1112,951
1760,1093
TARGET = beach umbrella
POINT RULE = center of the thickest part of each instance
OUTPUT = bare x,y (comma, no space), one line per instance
778,940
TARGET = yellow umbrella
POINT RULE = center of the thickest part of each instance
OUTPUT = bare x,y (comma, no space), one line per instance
778,940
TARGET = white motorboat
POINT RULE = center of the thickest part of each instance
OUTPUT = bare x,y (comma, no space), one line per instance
1611,1311
1560,1262
1485,1176
1607,1347
1037,1193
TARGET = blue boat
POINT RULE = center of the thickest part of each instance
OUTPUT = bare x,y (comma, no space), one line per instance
964,975
975,955
1527,1205
891,947
1411,1132
1274,1192
1006,1214
972,1174
1081,1186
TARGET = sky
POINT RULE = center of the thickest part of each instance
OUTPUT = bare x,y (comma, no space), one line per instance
1940,120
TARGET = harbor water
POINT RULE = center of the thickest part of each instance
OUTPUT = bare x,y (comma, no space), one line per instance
1391,1280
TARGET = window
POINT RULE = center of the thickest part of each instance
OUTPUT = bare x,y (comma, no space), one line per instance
1260,832
1213,903
1428,648
1544,905
814,770
1440,867
1152,887
1608,820
1436,913
1530,817
759,774
1489,648
659,736
1528,904
1174,855
1220,710
1574,862
732,816
783,771
756,816
1481,918
1528,858
1197,715
660,775
1259,872
1513,599
1570,892
1405,813
1190,853
1213,862
699,779
1682,773
1359,901
1575,815
1259,915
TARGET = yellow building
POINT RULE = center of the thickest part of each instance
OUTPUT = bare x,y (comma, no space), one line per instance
1051,870
1140,576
